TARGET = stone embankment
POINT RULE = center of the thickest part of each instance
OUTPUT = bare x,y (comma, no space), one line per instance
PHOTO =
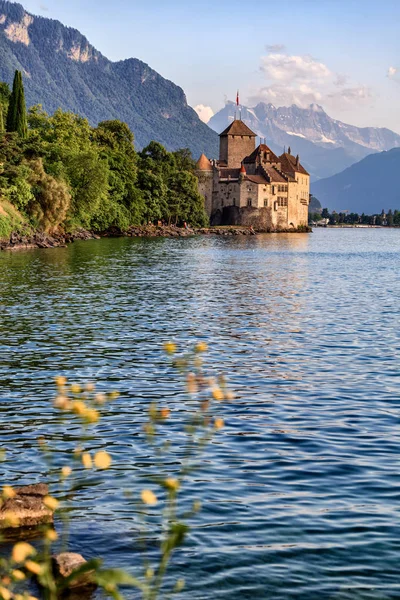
176,232
19,241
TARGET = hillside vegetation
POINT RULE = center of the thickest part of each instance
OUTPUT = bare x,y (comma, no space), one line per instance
59,172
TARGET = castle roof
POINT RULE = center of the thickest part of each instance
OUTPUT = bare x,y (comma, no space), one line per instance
274,175
290,164
226,173
238,128
203,164
259,150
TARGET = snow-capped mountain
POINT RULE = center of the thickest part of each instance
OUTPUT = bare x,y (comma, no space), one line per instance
326,146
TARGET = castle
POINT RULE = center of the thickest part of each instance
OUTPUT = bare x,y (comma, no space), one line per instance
252,186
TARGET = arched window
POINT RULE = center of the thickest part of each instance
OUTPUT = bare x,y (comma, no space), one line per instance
265,202
248,201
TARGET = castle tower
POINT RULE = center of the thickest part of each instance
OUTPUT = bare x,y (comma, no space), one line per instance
236,142
205,174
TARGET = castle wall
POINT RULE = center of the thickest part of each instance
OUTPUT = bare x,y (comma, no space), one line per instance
298,200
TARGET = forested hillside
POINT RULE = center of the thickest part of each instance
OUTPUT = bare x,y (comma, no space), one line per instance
62,173
62,70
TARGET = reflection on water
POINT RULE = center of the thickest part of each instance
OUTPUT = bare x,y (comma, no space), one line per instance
301,491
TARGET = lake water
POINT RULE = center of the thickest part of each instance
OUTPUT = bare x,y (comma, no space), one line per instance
301,490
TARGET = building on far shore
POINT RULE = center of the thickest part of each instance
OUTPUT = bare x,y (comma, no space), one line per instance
252,186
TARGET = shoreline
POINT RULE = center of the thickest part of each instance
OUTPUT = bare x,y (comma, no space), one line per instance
61,240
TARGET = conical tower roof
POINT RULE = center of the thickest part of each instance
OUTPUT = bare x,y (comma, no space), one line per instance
203,164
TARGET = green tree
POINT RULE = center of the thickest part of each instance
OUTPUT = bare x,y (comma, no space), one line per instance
16,116
325,213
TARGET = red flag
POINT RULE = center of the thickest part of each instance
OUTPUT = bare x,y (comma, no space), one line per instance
237,98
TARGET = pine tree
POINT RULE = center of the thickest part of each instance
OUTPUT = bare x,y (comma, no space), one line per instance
16,117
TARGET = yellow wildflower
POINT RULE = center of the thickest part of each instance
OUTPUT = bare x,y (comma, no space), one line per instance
62,403
91,415
21,551
18,575
79,407
33,567
148,497
60,381
51,503
217,394
10,519
52,535
219,423
113,395
66,471
8,492
164,412
5,594
76,388
201,347
89,387
87,460
170,347
102,460
172,484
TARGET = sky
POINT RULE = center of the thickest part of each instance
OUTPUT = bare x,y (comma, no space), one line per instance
341,54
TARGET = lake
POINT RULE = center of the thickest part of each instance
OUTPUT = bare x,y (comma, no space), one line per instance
301,489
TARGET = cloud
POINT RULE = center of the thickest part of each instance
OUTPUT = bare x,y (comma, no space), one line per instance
304,80
43,7
275,48
205,112
285,68
392,72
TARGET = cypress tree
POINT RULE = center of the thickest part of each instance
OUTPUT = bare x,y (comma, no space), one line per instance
16,117
1,120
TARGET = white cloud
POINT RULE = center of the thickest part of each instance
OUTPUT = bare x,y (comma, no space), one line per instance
392,72
205,112
304,80
285,68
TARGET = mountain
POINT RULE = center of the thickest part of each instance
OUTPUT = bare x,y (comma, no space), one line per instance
62,69
366,187
326,146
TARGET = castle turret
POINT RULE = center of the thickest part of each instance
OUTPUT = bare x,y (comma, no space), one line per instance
236,142
205,174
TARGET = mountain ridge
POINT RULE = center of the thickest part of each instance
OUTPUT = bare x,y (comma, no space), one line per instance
326,146
365,187
62,69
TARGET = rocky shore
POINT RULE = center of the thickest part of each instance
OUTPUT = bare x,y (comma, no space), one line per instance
19,241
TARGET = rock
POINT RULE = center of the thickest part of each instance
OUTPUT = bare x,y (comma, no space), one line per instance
66,563
26,509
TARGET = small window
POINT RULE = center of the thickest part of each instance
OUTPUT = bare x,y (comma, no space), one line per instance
249,202
234,202
265,203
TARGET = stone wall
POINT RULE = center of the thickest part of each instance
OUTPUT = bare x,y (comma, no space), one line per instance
206,189
234,148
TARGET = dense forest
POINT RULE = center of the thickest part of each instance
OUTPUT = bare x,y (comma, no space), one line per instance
58,172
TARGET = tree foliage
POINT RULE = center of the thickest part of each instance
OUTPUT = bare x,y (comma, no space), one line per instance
65,173
16,115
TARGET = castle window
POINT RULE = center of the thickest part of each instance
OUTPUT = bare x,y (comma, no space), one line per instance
234,202
248,201
222,203
265,203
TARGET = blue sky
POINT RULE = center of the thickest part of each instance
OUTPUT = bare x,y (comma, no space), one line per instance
342,54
